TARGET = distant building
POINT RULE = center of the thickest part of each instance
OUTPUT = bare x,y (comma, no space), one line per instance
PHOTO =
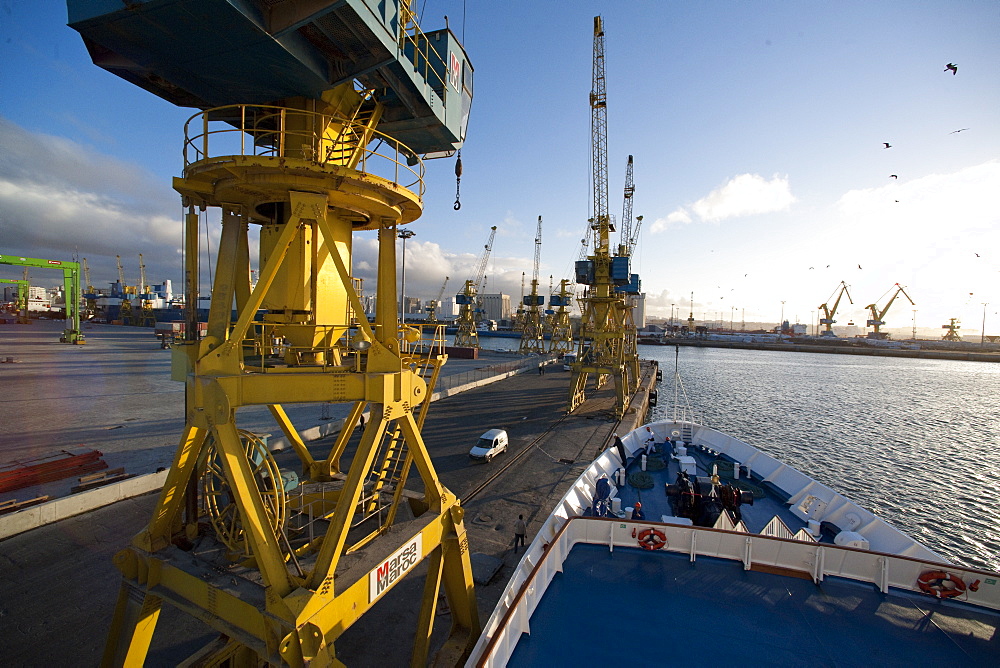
495,307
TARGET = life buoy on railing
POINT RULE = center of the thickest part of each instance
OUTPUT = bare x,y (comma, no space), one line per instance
933,583
652,539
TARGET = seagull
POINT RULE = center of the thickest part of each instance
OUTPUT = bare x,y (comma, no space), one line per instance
956,131
887,144
977,254
859,266
951,66
893,176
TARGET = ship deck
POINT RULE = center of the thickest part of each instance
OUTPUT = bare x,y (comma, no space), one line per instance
713,607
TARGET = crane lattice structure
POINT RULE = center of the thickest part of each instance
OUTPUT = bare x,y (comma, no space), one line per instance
125,314
90,294
561,336
533,334
878,315
146,317
435,304
951,333
470,299
313,117
830,311
607,343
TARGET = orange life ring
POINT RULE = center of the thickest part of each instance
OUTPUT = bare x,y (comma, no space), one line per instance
932,584
652,539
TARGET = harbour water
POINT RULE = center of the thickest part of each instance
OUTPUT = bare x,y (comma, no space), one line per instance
917,442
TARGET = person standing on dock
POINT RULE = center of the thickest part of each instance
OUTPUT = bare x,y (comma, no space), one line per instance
520,531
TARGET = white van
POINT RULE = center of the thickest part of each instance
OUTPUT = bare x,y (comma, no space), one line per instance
490,444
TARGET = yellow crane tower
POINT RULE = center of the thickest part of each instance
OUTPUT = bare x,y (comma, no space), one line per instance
561,337
877,318
605,348
435,304
951,333
312,120
532,336
469,299
125,309
830,311
90,293
146,317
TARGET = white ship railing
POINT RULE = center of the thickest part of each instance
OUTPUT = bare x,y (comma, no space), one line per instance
544,560
808,499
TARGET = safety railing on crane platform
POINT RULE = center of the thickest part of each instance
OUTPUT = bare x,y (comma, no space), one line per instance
280,132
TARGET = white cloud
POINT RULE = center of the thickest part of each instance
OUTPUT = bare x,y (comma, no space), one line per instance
743,195
678,217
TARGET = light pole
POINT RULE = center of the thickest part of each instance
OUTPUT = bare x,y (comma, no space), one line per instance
982,337
671,316
914,324
781,323
404,235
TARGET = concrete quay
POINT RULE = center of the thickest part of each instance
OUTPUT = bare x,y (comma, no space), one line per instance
59,586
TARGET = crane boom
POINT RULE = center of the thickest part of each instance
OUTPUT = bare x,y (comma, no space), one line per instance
829,312
626,233
470,301
878,315
538,253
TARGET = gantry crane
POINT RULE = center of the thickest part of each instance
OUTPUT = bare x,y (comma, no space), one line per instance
71,291
830,311
435,304
606,348
878,315
470,299
311,121
533,334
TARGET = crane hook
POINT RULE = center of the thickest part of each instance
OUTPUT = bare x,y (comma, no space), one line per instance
458,181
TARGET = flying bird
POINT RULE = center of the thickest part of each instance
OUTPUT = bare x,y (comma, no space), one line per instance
887,144
951,66
956,131
859,266
977,254
893,176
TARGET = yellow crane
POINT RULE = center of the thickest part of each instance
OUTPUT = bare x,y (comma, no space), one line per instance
561,337
532,335
951,333
125,314
435,304
877,318
310,122
606,348
830,311
469,299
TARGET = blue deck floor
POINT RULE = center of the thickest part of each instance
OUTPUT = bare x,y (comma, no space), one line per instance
657,608
656,503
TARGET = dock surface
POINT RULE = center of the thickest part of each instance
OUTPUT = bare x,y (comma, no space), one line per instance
59,586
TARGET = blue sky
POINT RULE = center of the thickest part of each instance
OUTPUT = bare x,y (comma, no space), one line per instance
757,130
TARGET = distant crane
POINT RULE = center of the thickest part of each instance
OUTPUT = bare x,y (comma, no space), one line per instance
125,309
630,226
878,315
532,336
146,317
469,299
561,337
829,312
436,303
952,334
